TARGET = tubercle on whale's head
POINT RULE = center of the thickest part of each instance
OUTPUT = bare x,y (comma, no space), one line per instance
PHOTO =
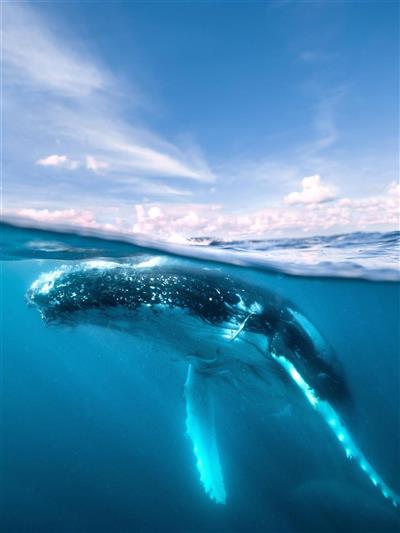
41,293
51,289
94,284
43,285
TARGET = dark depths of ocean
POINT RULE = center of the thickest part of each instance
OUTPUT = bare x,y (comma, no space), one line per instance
93,420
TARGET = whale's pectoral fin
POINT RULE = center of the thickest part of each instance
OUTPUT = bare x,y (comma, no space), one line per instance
200,427
279,353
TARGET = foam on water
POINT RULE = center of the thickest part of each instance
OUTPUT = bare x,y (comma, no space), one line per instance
372,256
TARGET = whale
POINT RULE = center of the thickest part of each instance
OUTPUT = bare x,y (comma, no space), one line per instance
224,329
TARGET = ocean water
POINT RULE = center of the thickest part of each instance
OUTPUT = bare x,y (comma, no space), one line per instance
94,428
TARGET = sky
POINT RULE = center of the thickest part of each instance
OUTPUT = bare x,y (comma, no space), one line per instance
185,119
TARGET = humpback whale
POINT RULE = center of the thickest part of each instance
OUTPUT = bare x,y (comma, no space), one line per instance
252,329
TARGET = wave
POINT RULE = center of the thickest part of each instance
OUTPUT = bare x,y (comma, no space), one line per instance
373,256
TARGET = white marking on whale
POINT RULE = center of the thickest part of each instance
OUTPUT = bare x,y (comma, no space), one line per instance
200,427
334,422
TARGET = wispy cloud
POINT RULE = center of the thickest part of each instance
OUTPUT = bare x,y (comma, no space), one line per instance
325,123
94,164
60,96
324,132
34,56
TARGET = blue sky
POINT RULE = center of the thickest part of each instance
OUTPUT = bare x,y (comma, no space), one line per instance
202,118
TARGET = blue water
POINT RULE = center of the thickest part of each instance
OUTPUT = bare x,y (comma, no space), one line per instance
93,420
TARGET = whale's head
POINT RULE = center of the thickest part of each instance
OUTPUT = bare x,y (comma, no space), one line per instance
103,289
61,294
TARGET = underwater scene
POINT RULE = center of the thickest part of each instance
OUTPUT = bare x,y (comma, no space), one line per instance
214,387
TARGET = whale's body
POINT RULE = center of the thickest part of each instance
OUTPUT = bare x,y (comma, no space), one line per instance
250,332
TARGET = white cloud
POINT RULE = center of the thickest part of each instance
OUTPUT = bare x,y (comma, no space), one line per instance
58,161
313,192
174,222
94,164
52,161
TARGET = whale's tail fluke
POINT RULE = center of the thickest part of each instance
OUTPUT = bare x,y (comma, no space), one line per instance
334,422
200,427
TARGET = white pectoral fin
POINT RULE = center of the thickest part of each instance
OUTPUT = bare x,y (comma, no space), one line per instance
200,427
335,423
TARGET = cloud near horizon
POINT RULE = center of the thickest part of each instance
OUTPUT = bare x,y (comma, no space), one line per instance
178,222
313,192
